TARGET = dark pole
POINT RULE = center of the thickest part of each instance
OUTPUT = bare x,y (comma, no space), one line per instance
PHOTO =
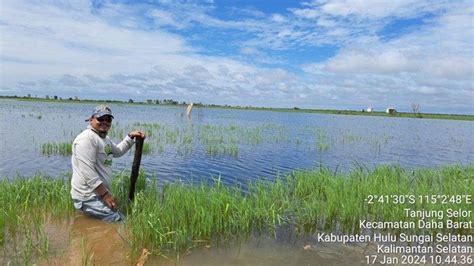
135,166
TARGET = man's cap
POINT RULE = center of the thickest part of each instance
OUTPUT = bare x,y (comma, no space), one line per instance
100,111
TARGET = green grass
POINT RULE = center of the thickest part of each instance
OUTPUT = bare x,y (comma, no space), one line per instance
147,148
57,148
179,216
183,215
25,203
322,142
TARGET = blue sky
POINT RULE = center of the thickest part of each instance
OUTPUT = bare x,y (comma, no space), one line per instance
334,54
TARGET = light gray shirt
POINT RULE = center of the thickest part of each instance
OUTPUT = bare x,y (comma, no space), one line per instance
92,162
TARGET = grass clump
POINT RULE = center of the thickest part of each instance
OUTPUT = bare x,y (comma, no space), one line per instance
147,148
25,204
57,148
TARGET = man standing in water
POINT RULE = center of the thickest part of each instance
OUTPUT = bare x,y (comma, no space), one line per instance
92,153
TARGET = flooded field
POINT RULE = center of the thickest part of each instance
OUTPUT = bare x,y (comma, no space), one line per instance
236,145
224,186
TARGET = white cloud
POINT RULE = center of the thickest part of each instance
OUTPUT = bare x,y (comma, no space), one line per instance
307,13
370,9
165,18
52,38
248,50
374,62
432,65
278,18
443,51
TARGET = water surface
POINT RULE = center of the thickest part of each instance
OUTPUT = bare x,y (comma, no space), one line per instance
278,142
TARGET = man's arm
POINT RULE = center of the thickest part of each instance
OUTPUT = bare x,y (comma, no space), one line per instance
121,148
106,196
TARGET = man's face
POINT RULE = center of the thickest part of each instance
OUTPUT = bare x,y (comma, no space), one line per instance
101,124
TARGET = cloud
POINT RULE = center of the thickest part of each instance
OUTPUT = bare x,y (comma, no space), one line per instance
373,8
431,65
52,38
188,51
386,62
278,18
248,50
165,18
442,51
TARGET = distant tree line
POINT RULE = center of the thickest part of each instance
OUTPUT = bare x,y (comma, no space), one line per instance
76,98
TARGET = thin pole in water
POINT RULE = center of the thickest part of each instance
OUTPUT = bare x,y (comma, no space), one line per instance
135,167
189,109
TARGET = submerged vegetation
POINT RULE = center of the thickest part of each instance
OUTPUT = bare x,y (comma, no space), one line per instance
212,139
220,140
179,216
57,148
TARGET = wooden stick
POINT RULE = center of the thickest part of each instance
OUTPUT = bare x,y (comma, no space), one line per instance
135,167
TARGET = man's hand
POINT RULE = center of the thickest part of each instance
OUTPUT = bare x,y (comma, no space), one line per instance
136,133
105,195
110,201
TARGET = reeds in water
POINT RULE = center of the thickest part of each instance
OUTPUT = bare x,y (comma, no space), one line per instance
147,148
25,203
57,148
179,216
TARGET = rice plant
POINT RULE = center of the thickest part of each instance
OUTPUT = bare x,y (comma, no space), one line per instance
215,140
57,148
25,203
147,148
181,215
322,142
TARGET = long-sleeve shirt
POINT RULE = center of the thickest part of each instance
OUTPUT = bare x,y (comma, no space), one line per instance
91,162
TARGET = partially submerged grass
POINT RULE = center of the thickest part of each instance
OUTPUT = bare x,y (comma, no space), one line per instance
229,140
147,148
214,140
181,215
57,148
87,256
25,203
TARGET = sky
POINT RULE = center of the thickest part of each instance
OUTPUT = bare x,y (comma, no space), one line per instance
319,54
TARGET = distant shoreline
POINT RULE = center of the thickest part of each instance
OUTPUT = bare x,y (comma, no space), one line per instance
295,109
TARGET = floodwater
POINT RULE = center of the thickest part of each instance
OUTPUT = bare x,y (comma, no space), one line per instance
268,251
278,142
85,241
